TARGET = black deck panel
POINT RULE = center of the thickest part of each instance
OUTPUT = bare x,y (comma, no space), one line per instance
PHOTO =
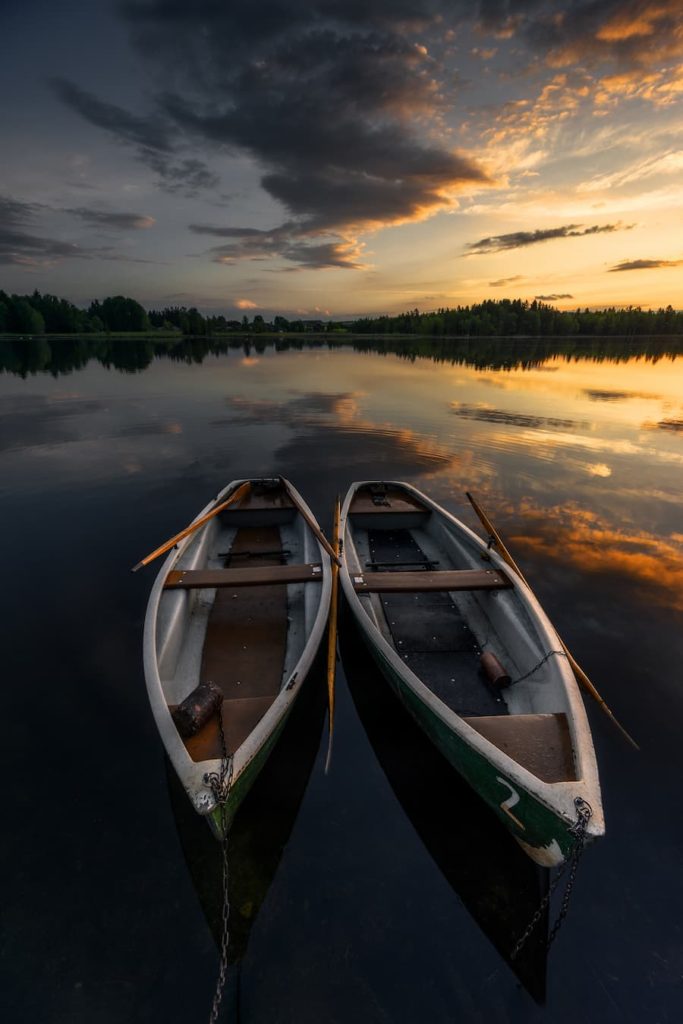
429,627
456,679
432,635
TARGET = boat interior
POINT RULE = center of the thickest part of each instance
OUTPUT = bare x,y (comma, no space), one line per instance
436,599
236,610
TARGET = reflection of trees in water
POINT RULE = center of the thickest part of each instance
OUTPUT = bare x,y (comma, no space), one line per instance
26,356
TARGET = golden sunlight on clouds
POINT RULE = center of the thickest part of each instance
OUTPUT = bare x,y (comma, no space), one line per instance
632,23
661,88
598,469
245,304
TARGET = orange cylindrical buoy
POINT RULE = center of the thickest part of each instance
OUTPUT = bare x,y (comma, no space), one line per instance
495,673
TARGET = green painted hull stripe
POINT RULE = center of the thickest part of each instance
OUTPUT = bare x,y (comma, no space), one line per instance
541,824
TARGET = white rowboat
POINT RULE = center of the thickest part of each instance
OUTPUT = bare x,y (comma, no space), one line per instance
242,602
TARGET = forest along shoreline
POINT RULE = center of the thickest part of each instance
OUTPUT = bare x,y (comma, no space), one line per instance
37,314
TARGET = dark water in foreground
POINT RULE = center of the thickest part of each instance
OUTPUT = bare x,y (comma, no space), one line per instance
383,891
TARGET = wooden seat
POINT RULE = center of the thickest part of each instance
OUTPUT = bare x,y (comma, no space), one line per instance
393,500
540,743
251,576
417,582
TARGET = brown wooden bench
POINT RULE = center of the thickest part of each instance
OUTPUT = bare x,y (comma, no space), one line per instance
417,582
251,576
540,743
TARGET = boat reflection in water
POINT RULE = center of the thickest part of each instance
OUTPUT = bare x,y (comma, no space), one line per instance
261,828
499,886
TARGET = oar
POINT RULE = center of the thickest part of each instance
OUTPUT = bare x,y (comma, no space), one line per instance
241,491
332,632
581,676
311,522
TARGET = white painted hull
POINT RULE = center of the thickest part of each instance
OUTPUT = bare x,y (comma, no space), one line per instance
173,643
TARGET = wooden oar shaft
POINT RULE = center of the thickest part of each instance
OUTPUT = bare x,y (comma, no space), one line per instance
320,536
580,675
588,686
332,633
493,533
241,491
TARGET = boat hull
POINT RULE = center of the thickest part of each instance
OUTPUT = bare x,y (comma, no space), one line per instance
544,834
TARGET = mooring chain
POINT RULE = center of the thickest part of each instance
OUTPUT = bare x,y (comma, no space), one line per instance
220,783
584,812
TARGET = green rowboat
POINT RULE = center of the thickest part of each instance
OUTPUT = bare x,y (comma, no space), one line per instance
469,651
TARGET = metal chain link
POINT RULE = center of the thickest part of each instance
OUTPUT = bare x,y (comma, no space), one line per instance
543,660
584,813
220,783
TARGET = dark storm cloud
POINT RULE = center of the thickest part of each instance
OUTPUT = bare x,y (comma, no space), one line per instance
329,98
147,133
502,281
119,221
553,298
285,242
521,239
645,265
19,246
152,138
186,177
210,229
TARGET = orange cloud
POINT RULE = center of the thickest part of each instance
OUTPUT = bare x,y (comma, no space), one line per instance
630,24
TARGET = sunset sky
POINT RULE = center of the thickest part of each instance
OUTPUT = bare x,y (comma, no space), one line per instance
337,157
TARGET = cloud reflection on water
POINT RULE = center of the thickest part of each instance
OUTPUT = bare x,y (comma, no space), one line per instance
588,541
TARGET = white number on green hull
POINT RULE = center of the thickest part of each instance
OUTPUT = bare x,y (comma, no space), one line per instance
510,802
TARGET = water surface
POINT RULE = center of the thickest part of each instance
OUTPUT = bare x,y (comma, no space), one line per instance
384,891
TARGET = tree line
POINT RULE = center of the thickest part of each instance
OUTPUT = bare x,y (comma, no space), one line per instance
517,317
38,314
47,314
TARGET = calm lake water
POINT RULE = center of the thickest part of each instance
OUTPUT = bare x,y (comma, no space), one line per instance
383,892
